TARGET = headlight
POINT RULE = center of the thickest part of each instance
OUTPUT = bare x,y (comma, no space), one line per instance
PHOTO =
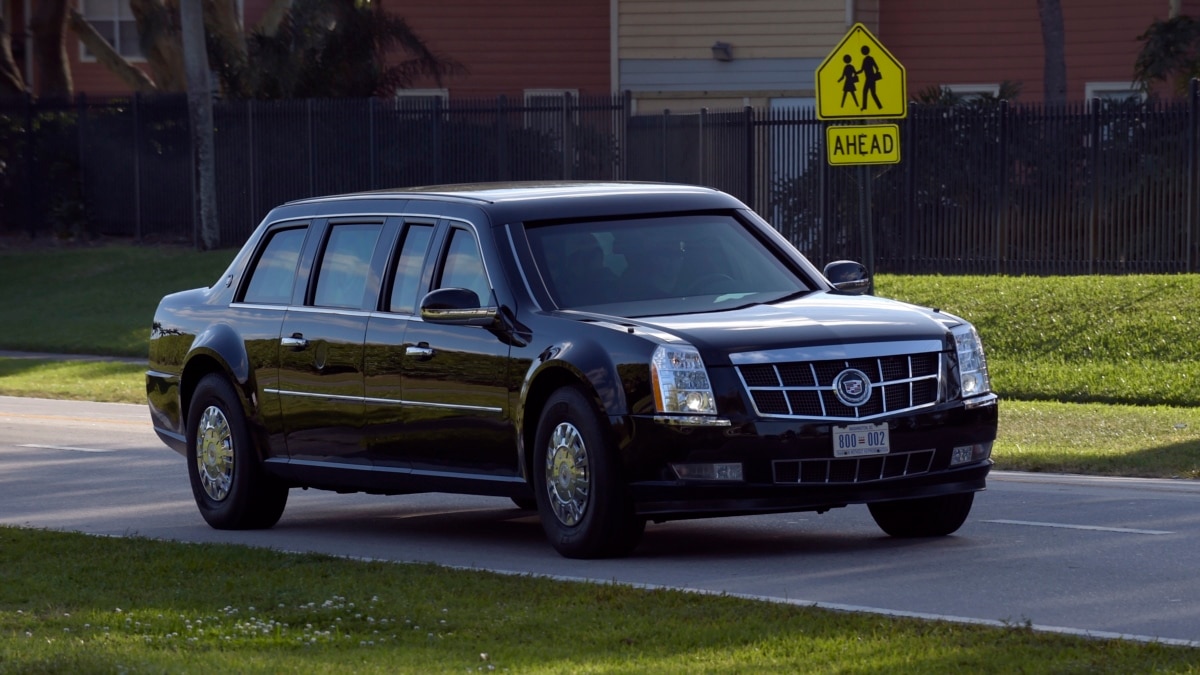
972,365
680,382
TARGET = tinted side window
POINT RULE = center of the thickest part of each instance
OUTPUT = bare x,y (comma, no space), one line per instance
342,277
464,266
272,277
408,268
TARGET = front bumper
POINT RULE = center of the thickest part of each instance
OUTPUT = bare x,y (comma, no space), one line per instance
790,466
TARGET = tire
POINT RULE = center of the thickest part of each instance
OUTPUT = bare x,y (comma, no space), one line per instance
582,500
231,489
926,517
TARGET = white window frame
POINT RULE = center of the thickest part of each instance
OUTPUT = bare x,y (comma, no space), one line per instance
124,13
422,94
1112,90
532,118
972,91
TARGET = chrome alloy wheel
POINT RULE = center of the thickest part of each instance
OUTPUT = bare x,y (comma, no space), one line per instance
214,453
568,480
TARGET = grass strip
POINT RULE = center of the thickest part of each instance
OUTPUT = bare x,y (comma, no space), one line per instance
95,300
74,603
1111,440
106,381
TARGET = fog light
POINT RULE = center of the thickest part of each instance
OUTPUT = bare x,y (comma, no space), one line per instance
971,453
721,471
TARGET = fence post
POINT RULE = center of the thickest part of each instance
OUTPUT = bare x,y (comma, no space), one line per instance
1002,185
1093,179
623,155
666,130
567,138
312,163
1193,147
250,160
700,159
137,178
910,161
81,126
371,180
31,217
501,138
750,182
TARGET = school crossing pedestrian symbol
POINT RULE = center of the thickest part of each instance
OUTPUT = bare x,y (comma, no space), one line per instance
860,79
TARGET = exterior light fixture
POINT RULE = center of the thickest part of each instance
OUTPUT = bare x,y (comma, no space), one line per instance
722,51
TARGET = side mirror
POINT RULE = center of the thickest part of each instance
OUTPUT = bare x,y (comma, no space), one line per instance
458,307
848,276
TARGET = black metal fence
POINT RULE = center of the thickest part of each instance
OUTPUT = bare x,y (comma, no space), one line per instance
1107,187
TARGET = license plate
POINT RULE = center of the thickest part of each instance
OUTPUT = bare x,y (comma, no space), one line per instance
858,440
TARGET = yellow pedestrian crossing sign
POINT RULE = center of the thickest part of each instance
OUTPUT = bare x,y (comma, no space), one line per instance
860,79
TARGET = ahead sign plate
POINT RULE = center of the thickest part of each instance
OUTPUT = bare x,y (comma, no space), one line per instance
863,144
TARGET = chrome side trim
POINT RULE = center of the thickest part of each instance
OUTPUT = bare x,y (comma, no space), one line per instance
383,401
309,394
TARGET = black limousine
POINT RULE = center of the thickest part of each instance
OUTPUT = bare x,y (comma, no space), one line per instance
605,353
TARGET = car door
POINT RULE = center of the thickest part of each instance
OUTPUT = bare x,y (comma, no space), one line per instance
384,353
259,310
321,345
455,378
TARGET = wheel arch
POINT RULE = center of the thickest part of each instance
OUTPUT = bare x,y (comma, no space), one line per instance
548,379
221,351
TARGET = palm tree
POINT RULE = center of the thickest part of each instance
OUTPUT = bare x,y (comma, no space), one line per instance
1053,43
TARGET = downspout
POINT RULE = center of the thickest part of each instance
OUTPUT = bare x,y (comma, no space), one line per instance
614,60
28,45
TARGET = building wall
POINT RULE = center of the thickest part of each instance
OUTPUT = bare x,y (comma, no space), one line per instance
508,47
968,42
666,58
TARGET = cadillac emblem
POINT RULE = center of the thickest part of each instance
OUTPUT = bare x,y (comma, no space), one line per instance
852,387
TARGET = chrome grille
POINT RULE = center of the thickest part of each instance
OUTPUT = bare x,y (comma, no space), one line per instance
805,389
853,469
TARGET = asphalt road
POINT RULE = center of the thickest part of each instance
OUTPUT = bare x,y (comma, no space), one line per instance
1106,557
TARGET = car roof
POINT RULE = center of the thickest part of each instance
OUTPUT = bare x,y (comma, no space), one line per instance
539,200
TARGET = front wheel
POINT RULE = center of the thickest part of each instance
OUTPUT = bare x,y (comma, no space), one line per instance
925,517
581,498
231,489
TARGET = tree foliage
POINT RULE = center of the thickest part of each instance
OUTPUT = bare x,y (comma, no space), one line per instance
300,49
330,49
1170,54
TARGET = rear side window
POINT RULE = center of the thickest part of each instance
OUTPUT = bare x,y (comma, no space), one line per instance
342,278
408,268
274,274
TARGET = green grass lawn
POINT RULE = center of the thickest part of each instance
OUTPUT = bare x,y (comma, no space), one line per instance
1098,375
94,300
139,606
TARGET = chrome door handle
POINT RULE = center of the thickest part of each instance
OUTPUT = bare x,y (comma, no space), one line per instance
295,343
419,350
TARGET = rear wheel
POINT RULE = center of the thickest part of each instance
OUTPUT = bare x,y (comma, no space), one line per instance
231,489
581,498
925,517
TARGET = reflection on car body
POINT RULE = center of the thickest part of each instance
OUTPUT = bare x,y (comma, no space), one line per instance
609,354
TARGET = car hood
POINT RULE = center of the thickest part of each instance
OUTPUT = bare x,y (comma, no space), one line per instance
814,320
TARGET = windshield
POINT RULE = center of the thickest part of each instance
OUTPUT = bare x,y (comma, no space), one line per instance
658,265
